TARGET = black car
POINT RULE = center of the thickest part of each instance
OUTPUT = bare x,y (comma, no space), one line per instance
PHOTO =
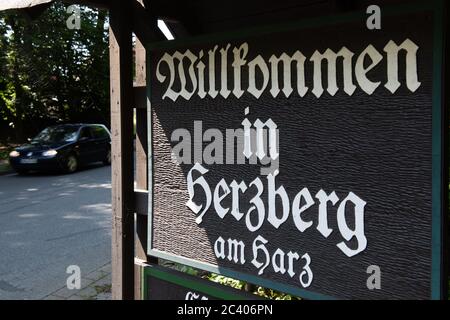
63,147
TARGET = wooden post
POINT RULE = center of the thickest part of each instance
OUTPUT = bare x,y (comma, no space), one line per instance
141,150
141,119
145,30
122,149
141,164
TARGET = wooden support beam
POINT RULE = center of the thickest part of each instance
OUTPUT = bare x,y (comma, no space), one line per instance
145,25
187,14
140,98
141,146
177,29
141,204
139,265
121,55
146,30
143,32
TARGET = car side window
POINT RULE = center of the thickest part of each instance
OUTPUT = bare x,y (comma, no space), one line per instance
99,132
85,133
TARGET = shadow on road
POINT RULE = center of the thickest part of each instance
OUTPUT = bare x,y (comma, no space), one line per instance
49,221
60,173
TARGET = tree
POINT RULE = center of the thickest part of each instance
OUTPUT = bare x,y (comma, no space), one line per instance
51,73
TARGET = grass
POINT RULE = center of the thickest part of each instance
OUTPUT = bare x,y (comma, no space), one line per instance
103,288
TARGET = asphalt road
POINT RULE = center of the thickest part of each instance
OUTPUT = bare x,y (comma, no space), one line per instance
48,222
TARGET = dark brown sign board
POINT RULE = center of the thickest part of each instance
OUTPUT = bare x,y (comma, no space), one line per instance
161,283
346,198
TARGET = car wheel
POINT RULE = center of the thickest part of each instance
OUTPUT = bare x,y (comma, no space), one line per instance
107,160
71,164
21,172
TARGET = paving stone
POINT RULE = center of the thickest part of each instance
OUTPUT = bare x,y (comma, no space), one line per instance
106,268
52,297
94,286
88,293
96,275
104,296
103,281
86,282
64,292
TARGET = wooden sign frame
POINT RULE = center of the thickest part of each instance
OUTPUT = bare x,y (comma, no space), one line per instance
196,284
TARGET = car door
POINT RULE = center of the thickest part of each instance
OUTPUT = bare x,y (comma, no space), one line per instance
86,145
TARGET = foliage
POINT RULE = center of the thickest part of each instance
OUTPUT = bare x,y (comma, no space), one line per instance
274,295
50,73
226,281
240,285
237,284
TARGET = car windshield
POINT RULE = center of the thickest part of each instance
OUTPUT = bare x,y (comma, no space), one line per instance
57,134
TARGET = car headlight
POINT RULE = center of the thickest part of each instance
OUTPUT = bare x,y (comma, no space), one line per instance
50,153
14,154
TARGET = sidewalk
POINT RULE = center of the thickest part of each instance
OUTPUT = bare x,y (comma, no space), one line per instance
94,286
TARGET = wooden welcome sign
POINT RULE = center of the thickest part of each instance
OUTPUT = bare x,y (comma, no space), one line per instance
305,158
